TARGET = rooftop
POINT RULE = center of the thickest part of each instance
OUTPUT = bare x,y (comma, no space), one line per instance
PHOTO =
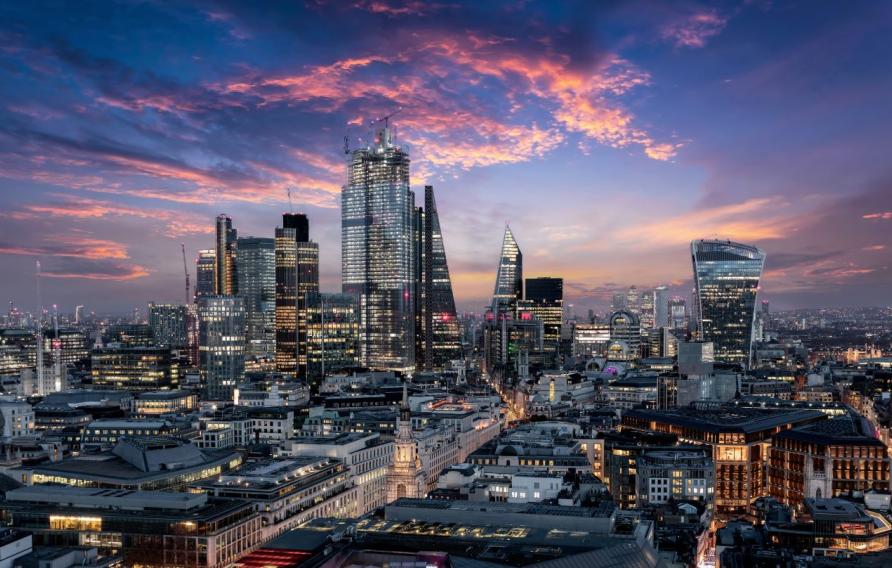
106,498
727,418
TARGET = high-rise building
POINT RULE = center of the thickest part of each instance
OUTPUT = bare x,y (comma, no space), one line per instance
618,302
378,252
726,280
544,299
169,323
661,306
438,331
678,314
509,277
221,344
647,310
332,333
226,273
297,274
256,260
625,329
633,300
205,273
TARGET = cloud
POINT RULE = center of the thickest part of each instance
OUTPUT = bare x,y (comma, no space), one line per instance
874,248
80,257
694,30
885,215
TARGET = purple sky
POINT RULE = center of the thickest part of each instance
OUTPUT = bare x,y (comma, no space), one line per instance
609,134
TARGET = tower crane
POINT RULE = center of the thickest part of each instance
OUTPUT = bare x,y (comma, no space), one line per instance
185,271
386,118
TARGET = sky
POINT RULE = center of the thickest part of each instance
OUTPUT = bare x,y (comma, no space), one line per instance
607,134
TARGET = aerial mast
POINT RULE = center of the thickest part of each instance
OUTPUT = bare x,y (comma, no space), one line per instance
40,377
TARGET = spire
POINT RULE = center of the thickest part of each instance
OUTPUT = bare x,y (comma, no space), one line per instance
405,403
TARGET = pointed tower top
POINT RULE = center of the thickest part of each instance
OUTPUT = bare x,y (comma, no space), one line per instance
405,395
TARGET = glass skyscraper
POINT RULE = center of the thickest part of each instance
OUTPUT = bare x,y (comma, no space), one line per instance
378,252
332,325
726,283
439,333
169,323
221,344
205,273
257,286
297,274
225,273
509,277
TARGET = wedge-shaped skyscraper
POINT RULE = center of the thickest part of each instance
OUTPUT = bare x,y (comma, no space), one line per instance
509,277
726,283
439,335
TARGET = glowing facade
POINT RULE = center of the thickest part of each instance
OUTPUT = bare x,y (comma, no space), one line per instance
297,275
221,344
726,283
378,252
225,273
205,273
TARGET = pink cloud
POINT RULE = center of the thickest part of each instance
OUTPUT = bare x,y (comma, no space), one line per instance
694,30
885,215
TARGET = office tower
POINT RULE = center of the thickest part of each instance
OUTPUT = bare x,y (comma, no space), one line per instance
678,314
439,335
134,368
618,303
661,306
256,261
766,315
78,315
625,329
509,277
205,273
221,344
590,340
544,299
633,301
332,334
297,274
726,280
647,310
378,252
170,325
225,273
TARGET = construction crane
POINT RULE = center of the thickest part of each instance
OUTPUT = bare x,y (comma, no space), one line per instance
386,118
40,370
185,271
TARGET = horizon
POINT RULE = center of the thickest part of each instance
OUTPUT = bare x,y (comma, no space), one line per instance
610,136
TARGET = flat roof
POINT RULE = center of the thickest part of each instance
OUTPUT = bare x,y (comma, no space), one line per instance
726,418
106,498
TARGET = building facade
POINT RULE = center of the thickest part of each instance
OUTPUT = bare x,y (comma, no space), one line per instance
726,283
221,344
257,287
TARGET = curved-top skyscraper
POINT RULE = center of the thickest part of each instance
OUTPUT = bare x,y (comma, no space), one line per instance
726,283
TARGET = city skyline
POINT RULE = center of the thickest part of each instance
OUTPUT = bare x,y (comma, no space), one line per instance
608,139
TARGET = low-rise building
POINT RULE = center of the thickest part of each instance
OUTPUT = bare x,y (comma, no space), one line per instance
165,402
149,528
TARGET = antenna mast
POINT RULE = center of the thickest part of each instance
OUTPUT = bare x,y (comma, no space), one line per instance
290,205
186,271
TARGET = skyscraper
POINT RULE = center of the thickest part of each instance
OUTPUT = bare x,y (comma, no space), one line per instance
439,334
378,252
678,315
647,310
256,261
544,299
633,300
169,323
332,332
297,274
726,283
221,344
205,273
661,307
509,277
225,271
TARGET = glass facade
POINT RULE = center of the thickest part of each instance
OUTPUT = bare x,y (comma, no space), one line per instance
225,274
257,287
169,323
378,252
439,334
726,283
221,344
332,331
297,275
205,273
509,277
